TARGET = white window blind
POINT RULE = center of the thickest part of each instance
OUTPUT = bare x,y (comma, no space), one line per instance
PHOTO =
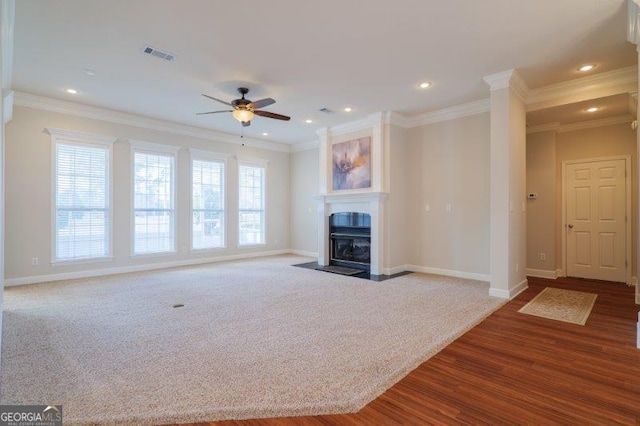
82,202
207,191
251,204
153,203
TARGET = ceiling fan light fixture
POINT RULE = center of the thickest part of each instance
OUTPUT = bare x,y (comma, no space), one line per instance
242,115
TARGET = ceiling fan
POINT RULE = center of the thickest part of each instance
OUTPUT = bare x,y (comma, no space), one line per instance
244,109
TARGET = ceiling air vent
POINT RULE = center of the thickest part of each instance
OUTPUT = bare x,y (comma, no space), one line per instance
326,111
158,53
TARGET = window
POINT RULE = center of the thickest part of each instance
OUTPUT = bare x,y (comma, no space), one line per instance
82,199
153,202
251,206
207,198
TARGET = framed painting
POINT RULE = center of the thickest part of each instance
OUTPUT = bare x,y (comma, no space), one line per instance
351,161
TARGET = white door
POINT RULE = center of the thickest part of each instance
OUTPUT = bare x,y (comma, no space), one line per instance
595,221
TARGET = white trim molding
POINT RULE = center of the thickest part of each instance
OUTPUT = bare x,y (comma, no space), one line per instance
58,135
583,125
447,272
508,79
542,273
71,108
304,253
450,113
623,80
509,294
136,268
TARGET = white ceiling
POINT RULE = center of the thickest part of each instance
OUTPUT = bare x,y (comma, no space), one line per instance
305,55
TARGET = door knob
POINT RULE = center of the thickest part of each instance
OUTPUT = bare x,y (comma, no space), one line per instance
570,226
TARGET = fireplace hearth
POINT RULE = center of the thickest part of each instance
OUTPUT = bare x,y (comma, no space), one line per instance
350,240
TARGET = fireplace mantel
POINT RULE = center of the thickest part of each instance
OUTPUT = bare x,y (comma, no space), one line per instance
363,202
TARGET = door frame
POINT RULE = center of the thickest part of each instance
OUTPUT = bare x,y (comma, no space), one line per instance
563,220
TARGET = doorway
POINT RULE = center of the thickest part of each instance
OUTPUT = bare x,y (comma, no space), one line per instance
596,212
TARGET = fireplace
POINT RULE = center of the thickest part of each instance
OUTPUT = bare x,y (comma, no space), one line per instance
350,240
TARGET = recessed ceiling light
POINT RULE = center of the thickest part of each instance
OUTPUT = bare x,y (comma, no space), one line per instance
72,91
425,85
265,134
586,67
592,109
348,109
308,121
89,72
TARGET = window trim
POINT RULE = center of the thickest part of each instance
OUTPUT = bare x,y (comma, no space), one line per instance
71,137
252,162
202,155
155,149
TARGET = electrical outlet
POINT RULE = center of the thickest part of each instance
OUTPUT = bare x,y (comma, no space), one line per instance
427,207
543,256
34,261
517,267
448,207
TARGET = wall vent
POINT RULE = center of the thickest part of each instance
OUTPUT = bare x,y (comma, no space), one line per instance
158,53
326,111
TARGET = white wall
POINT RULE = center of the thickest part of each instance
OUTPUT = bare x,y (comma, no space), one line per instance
448,163
305,181
541,212
397,229
29,195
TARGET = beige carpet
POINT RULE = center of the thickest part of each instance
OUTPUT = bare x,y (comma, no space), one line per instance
561,305
254,339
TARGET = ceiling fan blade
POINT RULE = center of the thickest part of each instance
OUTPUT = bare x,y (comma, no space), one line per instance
216,99
262,103
272,115
213,112
246,123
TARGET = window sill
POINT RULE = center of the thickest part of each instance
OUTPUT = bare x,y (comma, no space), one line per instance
154,254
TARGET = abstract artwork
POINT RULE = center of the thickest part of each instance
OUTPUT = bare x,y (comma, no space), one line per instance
352,164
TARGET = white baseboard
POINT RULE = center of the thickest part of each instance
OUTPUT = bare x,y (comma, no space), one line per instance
304,253
395,270
509,294
560,273
135,268
446,272
542,273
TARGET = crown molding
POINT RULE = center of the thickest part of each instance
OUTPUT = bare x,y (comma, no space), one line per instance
623,80
591,124
547,127
450,113
103,114
394,118
305,146
357,125
583,125
508,79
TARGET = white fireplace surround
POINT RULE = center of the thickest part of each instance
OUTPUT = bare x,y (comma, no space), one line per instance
372,203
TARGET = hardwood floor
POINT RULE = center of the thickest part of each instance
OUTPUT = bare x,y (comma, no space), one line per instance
519,369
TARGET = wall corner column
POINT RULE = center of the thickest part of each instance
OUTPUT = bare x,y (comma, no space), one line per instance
508,178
